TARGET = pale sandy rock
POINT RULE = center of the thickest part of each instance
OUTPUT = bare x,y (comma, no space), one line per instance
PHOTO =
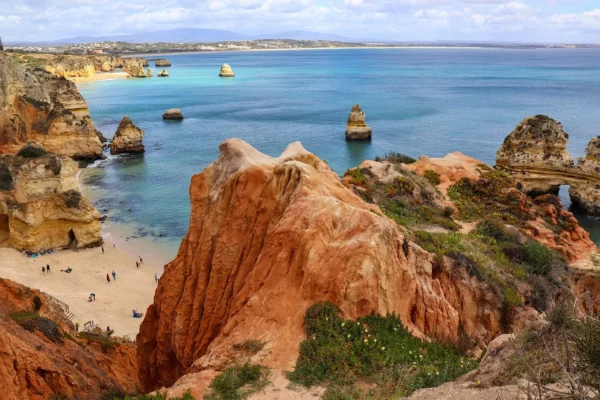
37,106
149,73
41,207
162,62
468,391
164,73
226,71
128,138
357,129
271,236
173,113
134,67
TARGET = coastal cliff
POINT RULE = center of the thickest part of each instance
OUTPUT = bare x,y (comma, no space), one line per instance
37,106
40,204
41,356
134,67
535,155
128,138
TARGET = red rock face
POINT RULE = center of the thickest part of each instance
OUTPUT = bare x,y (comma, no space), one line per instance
34,368
268,238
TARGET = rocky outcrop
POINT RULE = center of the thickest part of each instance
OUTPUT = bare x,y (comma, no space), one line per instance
107,63
356,129
149,73
81,66
39,361
37,106
128,138
134,67
226,71
162,62
173,113
535,155
269,237
40,204
164,73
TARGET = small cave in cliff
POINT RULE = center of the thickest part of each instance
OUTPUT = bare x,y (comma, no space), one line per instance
72,240
4,229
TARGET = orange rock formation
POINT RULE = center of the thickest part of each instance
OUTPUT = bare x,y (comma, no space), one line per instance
32,367
268,238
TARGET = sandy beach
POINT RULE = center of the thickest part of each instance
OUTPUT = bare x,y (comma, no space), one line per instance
133,288
100,76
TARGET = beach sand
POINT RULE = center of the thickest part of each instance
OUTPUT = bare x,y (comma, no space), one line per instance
133,288
101,76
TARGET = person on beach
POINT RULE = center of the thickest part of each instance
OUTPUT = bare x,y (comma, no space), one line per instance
102,247
43,269
114,274
137,264
141,261
107,278
48,268
156,277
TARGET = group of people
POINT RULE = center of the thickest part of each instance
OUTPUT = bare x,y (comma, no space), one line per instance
46,269
114,275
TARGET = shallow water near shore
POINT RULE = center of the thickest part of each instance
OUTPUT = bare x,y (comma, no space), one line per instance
417,101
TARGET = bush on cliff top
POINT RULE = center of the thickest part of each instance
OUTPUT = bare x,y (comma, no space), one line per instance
32,150
237,383
375,349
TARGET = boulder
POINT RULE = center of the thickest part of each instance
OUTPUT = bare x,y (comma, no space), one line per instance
173,113
37,106
356,129
164,73
128,138
226,71
162,62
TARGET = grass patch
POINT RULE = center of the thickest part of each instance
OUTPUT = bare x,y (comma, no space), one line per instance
372,349
106,344
158,395
31,321
237,383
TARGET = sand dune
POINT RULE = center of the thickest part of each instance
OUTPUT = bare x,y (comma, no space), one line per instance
133,288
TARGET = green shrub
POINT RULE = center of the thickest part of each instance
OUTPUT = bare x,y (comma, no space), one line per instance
432,177
31,321
238,382
158,395
32,151
72,198
37,303
358,178
396,158
511,296
538,258
491,228
339,351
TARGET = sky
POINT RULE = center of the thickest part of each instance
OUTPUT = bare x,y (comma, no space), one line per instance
562,21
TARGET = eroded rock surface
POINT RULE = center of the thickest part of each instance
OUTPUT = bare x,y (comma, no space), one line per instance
357,129
535,155
173,113
128,138
226,71
40,204
37,106
134,67
268,238
34,367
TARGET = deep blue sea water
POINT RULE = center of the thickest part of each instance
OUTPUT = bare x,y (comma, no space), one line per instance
417,101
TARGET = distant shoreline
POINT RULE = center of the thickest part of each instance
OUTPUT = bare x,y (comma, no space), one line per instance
173,53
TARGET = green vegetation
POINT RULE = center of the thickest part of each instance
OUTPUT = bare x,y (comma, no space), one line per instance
396,158
106,343
152,396
251,346
372,349
432,177
358,178
32,151
72,198
237,383
31,321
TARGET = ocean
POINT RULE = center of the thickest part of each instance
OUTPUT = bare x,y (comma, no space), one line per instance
417,101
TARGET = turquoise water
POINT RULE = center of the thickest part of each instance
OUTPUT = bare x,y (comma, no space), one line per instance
417,101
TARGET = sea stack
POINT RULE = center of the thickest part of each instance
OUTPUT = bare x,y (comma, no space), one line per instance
128,138
162,62
356,129
149,73
134,68
164,73
226,71
173,114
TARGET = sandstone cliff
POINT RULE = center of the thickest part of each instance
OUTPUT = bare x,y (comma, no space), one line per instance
357,129
128,138
37,106
134,67
268,238
40,204
535,155
81,66
41,356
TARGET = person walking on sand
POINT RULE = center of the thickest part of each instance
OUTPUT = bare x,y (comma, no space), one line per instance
102,247
156,277
114,274
48,268
107,278
137,264
43,269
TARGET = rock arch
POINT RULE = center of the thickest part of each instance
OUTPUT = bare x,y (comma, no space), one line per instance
536,155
